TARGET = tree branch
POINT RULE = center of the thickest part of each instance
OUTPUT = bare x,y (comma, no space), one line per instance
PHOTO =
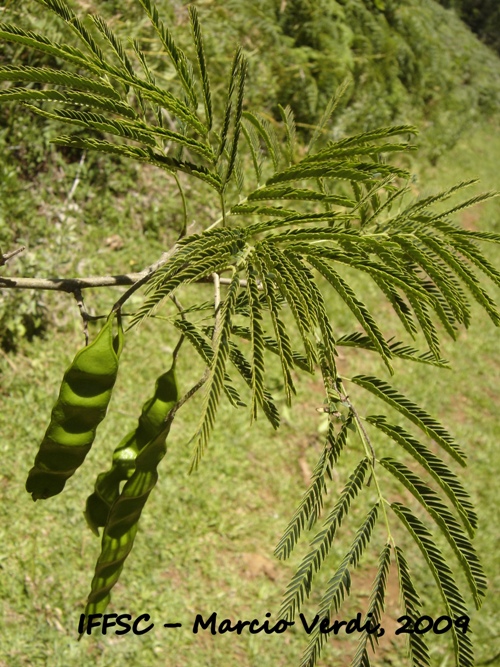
4,258
83,312
67,284
72,284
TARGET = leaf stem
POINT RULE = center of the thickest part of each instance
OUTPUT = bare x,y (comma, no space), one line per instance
223,217
370,452
217,311
184,206
223,208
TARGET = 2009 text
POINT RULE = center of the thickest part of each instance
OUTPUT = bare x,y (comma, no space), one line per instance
424,624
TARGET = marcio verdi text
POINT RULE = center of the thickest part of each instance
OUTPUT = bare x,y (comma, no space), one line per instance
122,624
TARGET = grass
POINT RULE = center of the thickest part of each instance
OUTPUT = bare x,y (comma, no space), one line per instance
205,541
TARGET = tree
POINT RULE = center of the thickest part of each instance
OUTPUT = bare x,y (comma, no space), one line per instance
348,208
482,17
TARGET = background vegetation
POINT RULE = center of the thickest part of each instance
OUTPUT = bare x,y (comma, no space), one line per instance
482,16
207,540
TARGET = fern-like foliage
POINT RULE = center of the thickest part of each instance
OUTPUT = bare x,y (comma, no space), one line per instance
300,585
347,207
375,609
312,502
339,586
412,606
454,602
217,369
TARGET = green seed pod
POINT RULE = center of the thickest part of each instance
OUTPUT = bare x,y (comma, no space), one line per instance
107,487
123,518
81,406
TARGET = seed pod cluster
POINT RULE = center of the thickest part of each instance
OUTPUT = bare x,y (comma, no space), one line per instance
81,406
107,487
124,514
